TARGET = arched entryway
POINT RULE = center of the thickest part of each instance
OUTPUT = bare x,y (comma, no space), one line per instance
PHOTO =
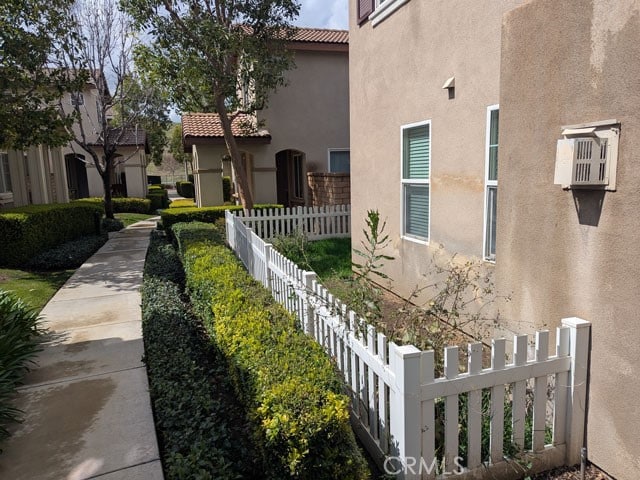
77,182
118,178
290,177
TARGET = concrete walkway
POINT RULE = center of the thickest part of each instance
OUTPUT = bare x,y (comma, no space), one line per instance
88,413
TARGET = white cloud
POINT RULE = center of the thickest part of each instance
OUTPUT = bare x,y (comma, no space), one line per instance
324,14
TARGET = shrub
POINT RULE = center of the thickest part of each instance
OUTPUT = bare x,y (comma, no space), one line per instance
202,214
68,255
201,429
36,228
112,224
186,203
122,204
18,346
293,395
226,189
159,198
186,189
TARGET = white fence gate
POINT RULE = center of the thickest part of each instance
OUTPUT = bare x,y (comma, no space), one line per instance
409,420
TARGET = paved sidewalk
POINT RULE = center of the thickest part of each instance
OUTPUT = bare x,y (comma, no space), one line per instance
88,413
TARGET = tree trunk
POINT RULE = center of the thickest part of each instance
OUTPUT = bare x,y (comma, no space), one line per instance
246,198
106,183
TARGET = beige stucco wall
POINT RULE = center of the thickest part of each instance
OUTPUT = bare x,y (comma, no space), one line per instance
309,114
397,70
569,253
207,169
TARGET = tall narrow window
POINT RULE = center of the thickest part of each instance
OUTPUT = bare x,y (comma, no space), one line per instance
77,98
5,177
491,184
416,164
298,176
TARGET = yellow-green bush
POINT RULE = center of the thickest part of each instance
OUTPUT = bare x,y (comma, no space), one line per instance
185,203
285,380
203,214
27,231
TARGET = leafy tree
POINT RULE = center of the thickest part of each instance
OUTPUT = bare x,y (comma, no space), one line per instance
33,34
148,103
207,52
175,145
104,40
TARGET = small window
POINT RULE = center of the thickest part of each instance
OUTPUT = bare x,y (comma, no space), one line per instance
416,165
77,99
491,183
298,176
5,176
339,161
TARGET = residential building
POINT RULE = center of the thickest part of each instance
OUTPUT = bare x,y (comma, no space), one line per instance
304,129
457,110
42,174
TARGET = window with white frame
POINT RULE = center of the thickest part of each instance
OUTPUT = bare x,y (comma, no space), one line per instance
5,176
491,183
339,160
416,165
377,10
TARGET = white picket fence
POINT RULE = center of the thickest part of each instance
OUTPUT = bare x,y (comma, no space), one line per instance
397,401
331,221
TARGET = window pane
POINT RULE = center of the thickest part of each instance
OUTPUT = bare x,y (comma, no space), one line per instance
493,132
416,215
492,202
339,161
493,163
416,153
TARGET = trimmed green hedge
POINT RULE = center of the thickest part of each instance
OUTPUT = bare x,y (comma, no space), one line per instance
203,214
122,204
158,198
186,189
69,255
28,231
293,394
201,428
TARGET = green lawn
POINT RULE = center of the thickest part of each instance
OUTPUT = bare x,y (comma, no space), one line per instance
34,288
330,258
130,218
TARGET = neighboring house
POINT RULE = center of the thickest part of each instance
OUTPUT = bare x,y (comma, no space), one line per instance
304,129
436,87
43,174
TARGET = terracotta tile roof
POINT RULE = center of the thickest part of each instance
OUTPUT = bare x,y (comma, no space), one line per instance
207,125
320,35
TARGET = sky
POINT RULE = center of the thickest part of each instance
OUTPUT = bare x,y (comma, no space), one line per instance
323,14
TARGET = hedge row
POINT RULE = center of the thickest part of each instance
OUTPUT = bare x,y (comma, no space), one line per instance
293,395
203,214
186,189
27,231
123,204
201,429
158,197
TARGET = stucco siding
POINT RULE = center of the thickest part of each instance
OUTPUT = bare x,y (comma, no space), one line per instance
397,70
575,253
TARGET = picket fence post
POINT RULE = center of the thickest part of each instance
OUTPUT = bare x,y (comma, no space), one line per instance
580,333
405,411
308,279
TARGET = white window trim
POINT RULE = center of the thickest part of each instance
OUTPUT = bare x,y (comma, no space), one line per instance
383,10
487,182
329,151
404,182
